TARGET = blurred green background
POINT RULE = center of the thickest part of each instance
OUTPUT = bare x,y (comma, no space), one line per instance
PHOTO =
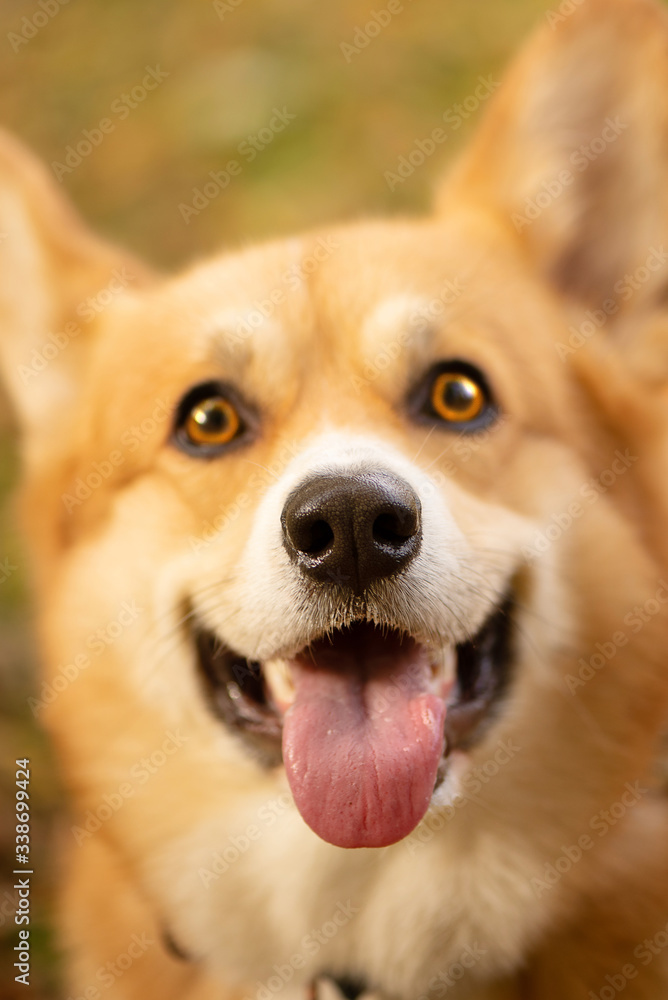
65,67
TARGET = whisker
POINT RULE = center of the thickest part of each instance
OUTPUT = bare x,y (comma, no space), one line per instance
264,468
426,438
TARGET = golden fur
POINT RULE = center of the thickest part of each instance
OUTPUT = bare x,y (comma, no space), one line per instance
139,550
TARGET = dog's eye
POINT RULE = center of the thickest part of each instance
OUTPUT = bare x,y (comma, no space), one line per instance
213,421
208,420
456,397
454,393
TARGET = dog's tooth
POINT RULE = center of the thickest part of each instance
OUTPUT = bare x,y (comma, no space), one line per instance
450,662
445,663
278,676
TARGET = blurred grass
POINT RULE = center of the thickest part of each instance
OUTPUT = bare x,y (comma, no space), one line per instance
226,75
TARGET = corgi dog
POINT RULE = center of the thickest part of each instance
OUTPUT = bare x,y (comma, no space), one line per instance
350,556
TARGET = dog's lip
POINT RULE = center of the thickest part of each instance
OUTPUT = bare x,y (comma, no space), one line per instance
251,697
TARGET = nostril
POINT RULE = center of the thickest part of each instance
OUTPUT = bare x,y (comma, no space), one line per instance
317,538
310,536
393,529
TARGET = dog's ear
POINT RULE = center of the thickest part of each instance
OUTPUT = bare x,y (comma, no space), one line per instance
573,153
55,279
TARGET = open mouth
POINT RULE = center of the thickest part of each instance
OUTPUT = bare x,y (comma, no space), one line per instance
363,719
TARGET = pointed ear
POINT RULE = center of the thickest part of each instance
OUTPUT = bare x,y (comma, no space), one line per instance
573,154
55,278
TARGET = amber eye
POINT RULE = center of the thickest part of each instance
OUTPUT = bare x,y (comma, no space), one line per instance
214,421
210,418
457,398
455,394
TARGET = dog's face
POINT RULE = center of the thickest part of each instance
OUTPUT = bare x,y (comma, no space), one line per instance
337,519
342,496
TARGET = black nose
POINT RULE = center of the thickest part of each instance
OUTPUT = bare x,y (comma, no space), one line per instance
352,530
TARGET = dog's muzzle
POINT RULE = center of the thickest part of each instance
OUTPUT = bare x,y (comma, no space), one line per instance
365,713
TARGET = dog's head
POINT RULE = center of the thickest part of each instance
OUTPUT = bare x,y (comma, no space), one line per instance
365,504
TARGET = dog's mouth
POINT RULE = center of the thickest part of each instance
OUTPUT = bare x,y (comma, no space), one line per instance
363,719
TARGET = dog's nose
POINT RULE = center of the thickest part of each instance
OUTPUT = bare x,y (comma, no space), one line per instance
352,529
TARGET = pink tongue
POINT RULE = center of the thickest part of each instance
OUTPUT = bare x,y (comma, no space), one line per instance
363,738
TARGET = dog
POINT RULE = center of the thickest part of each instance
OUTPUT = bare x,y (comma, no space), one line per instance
351,564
